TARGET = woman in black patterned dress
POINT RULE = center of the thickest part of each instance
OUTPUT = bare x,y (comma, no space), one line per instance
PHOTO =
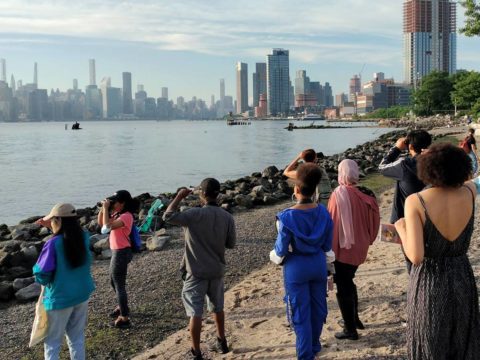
443,320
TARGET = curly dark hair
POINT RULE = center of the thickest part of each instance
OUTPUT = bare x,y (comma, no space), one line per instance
444,165
308,177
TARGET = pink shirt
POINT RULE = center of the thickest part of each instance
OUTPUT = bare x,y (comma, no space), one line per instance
366,221
119,238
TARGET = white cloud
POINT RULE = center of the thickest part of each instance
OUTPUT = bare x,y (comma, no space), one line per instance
309,28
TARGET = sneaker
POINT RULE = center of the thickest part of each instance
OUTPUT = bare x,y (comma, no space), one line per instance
193,356
220,346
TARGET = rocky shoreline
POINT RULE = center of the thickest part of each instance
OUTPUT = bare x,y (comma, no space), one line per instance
154,284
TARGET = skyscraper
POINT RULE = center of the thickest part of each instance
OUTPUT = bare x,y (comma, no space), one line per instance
12,83
222,89
259,78
242,87
328,95
127,93
165,92
75,84
302,83
91,66
3,76
278,82
355,87
430,39
35,75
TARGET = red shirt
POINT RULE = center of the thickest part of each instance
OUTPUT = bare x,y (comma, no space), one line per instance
119,237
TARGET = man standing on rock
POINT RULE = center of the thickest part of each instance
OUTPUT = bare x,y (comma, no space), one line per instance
324,188
209,230
404,171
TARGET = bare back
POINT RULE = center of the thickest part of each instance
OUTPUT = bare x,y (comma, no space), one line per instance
450,210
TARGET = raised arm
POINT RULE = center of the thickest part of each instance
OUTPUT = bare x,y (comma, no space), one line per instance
290,171
410,230
391,165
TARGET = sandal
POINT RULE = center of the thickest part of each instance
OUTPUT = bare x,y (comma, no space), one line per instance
115,313
122,324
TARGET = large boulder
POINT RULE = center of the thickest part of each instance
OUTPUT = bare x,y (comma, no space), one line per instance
244,200
4,258
31,292
18,272
30,255
106,254
11,245
6,291
270,172
30,220
19,284
96,238
157,243
101,245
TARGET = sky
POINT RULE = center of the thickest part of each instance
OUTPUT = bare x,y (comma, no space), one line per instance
189,45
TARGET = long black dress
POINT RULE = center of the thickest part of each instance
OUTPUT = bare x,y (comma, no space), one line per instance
442,301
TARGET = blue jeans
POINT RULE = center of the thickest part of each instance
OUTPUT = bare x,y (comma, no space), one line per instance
72,321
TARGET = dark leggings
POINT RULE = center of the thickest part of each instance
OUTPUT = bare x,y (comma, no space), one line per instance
118,277
343,277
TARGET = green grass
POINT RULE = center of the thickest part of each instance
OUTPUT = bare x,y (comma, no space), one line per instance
449,139
377,183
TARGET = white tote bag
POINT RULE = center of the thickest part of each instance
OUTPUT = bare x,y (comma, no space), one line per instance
40,323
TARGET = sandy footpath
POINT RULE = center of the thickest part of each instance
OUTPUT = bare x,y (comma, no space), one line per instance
257,327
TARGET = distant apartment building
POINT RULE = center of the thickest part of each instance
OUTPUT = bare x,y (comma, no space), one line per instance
430,39
317,90
127,93
302,83
7,104
165,92
328,95
340,99
111,99
242,87
259,78
3,68
355,87
261,110
278,82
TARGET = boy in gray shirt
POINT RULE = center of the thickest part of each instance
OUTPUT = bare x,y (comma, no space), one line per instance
209,230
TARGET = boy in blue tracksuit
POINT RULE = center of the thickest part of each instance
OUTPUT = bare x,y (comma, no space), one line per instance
304,236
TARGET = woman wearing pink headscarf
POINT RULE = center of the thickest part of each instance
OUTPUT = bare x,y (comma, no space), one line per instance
356,219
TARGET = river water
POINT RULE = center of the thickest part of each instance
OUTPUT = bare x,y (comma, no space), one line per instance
42,163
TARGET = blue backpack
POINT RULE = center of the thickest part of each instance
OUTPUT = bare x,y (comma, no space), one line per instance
135,239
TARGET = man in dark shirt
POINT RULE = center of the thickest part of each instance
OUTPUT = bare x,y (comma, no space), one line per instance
208,232
404,171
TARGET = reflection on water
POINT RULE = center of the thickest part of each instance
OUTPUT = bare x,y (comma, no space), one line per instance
42,164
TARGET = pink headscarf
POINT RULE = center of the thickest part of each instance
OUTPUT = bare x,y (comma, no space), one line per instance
348,175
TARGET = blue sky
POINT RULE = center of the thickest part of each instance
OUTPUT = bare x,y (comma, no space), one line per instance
188,45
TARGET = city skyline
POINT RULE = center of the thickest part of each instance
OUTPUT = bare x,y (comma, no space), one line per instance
189,57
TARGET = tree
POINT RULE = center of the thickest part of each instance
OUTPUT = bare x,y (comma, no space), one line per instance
466,92
472,15
433,95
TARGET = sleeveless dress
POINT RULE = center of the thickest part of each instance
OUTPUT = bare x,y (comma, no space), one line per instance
442,301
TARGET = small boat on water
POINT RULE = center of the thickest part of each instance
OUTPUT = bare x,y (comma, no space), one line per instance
312,117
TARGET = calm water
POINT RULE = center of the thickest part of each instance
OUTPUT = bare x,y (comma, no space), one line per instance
42,164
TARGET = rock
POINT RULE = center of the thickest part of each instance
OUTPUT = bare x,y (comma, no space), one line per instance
157,243
284,187
243,188
244,200
93,226
257,191
11,245
6,291
270,172
4,258
106,254
21,283
31,292
18,272
4,230
20,234
30,220
257,174
269,200
43,232
96,238
30,256
101,245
